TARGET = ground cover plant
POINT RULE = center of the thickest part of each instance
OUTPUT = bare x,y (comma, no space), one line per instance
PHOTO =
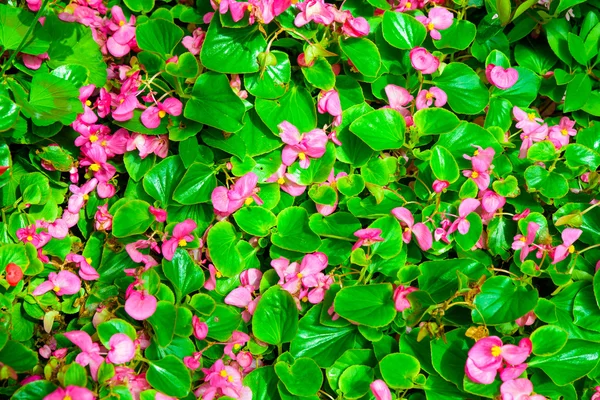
273,199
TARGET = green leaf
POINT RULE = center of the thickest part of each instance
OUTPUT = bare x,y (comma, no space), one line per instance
256,221
435,121
14,25
185,67
302,377
133,218
444,165
466,93
158,36
575,360
499,114
140,5
577,48
320,74
548,340
500,301
370,305
185,275
107,329
293,231
363,53
296,106
163,322
542,151
391,232
34,390
213,103
586,312
232,50
355,380
449,355
459,35
271,83
160,182
137,167
577,155
566,4
275,320
263,383
10,111
578,91
524,91
348,359
18,357
399,370
169,376
135,125
557,31
222,322
52,99
504,9
440,278
469,239
222,242
402,30
381,129
550,184
196,186
539,59
76,375
351,185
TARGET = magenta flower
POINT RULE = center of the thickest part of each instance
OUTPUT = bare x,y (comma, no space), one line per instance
439,186
222,380
30,235
509,372
569,236
314,10
519,389
64,282
194,43
96,161
287,182
355,27
559,134
140,305
502,78
88,116
466,207
294,277
86,271
482,158
380,390
193,362
236,8
303,146
236,342
488,355
400,301
527,319
137,256
121,349
367,237
329,103
399,98
491,201
34,5
152,115
123,33
420,230
90,351
200,328
244,191
438,19
71,393
524,243
426,97
422,60
159,214
103,219
182,235
80,195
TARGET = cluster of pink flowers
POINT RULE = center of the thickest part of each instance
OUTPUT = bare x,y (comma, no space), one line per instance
226,379
525,243
481,163
304,280
535,130
399,98
244,191
409,5
322,13
263,11
304,146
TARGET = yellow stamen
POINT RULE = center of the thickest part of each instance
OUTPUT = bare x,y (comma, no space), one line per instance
475,175
281,181
67,397
86,197
531,116
95,167
29,238
564,132
223,373
56,288
88,103
237,346
93,138
88,260
305,299
249,7
430,26
523,239
408,4
299,275
248,201
429,96
476,153
218,274
407,229
121,23
121,101
571,249
103,143
230,378
161,114
182,243
302,156
496,351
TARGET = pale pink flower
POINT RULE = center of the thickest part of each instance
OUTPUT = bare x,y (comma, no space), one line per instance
200,328
519,389
488,355
524,243
439,18
420,230
467,206
31,61
367,237
159,214
103,219
328,209
121,349
287,181
422,60
329,103
152,115
502,78
244,191
314,10
194,43
304,146
399,98
71,393
63,282
491,201
400,301
569,236
559,134
140,305
355,27
86,271
426,98
182,235
90,351
439,186
527,319
380,390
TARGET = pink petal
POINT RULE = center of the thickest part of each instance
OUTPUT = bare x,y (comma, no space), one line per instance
398,97
122,349
478,375
220,199
467,207
239,297
570,236
512,372
380,390
68,282
517,388
423,236
184,228
80,339
150,117
481,353
289,133
140,306
404,215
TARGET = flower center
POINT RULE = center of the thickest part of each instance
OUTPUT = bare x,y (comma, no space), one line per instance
121,23
305,299
496,351
475,175
237,346
56,289
564,132
67,397
407,229
182,243
230,378
88,260
88,103
571,249
476,153
29,238
121,101
408,4
281,181
103,143
299,275
430,26
223,373
161,114
249,7
93,138
531,116
86,197
429,96
95,167
302,156
523,239
248,201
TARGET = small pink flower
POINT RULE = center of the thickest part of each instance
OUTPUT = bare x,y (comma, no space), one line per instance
328,209
488,354
422,60
152,115
461,223
121,349
140,305
103,219
64,282
244,191
236,342
380,390
34,5
569,236
526,121
86,271
491,201
439,186
194,43
200,328
502,78
559,134
438,19
314,10
399,98
510,372
420,230
400,301
519,389
527,319
31,61
367,237
71,393
355,27
193,362
96,161
182,235
159,214
425,98
90,351
329,103
304,146
287,181
524,243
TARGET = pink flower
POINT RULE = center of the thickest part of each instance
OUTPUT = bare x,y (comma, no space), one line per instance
530,136
123,33
303,146
64,282
439,19
236,84
559,134
90,351
103,219
519,389
152,115
211,282
329,103
86,271
380,390
121,349
29,235
420,230
527,319
314,10
80,195
159,214
400,301
236,342
367,237
425,98
488,354
222,380
194,43
569,236
193,362
34,5
355,27
510,372
140,305
182,235
526,121
398,97
482,158
439,186
71,393
96,161
244,191
328,209
491,201
524,243
31,61
294,277
422,60
287,182
502,78
133,251
466,207
200,328
236,8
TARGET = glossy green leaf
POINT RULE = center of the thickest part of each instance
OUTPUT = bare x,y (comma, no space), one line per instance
276,317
